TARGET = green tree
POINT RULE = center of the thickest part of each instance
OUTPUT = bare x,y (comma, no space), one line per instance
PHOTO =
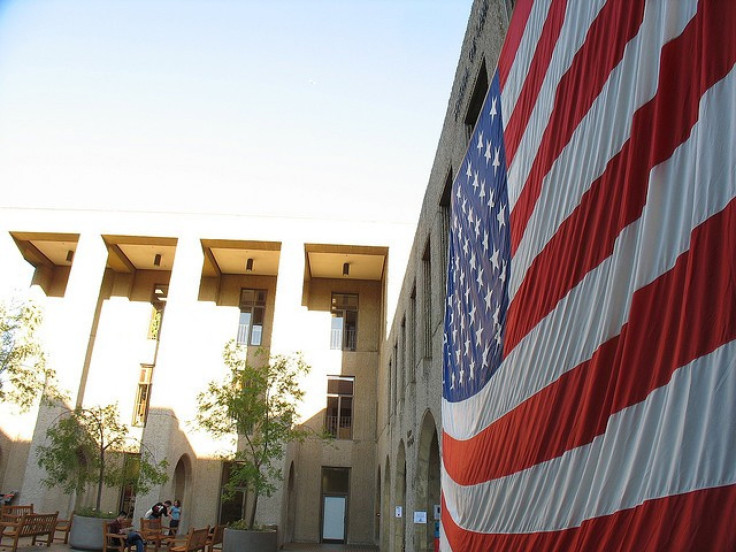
24,376
257,405
86,445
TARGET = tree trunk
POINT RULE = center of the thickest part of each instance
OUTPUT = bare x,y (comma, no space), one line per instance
99,482
252,519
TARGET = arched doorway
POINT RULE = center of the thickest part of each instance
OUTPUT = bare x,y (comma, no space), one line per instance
182,487
290,507
427,482
400,500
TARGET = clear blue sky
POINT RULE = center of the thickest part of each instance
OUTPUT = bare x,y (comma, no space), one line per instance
300,107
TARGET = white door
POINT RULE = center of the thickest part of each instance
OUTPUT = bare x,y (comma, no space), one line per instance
333,522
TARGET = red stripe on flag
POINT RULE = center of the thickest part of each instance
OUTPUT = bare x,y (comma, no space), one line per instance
616,24
517,121
657,340
513,38
701,56
698,520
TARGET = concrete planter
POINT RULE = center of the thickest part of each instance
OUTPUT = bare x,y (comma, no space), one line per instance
237,540
86,533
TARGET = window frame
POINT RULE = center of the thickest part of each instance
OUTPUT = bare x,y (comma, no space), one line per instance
348,339
251,307
335,428
142,396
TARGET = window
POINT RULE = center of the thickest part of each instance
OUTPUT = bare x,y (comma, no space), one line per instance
427,301
344,309
158,302
142,398
252,314
232,508
445,207
402,359
411,346
476,101
339,413
131,471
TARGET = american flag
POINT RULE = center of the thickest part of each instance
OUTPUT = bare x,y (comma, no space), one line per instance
589,396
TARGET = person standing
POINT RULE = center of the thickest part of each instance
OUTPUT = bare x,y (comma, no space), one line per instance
175,513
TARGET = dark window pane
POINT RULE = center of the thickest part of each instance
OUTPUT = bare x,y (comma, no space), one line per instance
331,415
335,480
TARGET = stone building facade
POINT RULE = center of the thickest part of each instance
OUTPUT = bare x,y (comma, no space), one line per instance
138,307
407,470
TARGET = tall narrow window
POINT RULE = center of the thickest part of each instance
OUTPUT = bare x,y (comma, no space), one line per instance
131,471
476,101
344,310
402,359
397,375
391,386
252,315
427,301
158,302
339,413
445,207
411,347
232,507
142,398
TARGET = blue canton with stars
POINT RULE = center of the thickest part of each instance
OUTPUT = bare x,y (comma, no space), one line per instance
479,259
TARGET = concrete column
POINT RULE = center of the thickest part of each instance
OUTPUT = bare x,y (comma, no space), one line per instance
72,327
288,336
289,316
177,376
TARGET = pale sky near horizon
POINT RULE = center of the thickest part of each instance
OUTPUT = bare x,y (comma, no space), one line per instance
308,108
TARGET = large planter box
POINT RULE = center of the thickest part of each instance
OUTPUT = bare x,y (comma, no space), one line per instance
237,540
86,533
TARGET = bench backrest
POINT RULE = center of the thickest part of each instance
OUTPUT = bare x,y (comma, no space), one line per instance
9,513
216,535
37,524
108,541
197,539
151,525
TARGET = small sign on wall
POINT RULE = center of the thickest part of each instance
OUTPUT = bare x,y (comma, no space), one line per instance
437,512
420,517
399,511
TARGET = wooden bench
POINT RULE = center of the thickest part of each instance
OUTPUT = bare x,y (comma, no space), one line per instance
31,525
9,516
196,541
115,541
63,526
15,511
214,539
152,532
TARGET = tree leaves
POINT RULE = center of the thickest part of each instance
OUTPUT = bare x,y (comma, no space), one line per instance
24,375
257,402
87,445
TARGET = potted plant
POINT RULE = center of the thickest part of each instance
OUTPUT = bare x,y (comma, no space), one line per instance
87,446
256,406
